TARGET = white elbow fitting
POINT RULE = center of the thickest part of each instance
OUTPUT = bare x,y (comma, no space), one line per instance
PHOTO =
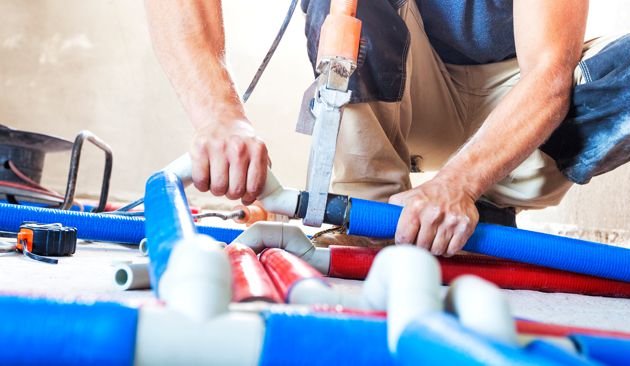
262,235
482,307
198,279
132,276
405,281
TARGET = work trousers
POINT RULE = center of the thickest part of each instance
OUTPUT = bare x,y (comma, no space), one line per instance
411,111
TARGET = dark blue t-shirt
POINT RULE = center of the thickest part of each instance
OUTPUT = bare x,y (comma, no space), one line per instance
469,32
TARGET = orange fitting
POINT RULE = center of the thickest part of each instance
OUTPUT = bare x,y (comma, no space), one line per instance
252,214
344,7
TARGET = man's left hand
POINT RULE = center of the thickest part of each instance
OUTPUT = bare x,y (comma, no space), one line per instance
438,215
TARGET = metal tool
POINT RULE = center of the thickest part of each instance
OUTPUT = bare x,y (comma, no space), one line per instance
323,102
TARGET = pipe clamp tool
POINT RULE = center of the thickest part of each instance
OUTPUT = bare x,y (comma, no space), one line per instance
323,102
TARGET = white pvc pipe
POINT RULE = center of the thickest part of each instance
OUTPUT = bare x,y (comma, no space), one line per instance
143,247
482,307
132,276
405,281
262,235
315,291
198,279
165,337
274,197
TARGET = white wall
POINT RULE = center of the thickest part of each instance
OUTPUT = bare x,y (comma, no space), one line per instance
71,65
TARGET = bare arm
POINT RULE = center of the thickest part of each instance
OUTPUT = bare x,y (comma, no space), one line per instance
189,41
549,38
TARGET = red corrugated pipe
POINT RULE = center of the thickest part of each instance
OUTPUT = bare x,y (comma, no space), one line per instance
285,270
250,280
355,262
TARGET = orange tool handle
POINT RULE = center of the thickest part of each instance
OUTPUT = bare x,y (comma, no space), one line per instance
341,32
25,235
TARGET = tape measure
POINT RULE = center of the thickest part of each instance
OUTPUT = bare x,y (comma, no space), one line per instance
39,240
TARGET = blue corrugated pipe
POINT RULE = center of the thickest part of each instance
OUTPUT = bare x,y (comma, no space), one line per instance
45,332
607,350
379,220
168,220
97,227
439,339
296,338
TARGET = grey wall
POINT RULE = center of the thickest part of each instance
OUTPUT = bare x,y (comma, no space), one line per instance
72,65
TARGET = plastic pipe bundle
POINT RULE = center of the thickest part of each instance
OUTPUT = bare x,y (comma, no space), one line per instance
286,270
45,332
91,226
379,220
355,262
250,281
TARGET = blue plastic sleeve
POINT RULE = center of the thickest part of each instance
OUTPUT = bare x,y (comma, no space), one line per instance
439,339
559,355
44,332
96,227
606,350
168,221
324,339
376,219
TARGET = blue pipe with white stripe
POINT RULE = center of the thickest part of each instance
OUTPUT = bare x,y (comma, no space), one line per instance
379,220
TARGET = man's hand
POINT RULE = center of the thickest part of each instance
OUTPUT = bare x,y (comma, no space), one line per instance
229,159
438,216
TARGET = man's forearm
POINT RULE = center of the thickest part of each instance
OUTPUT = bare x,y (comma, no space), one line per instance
523,120
189,42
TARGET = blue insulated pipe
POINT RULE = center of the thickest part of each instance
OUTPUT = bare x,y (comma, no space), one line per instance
47,332
379,220
168,220
439,339
96,227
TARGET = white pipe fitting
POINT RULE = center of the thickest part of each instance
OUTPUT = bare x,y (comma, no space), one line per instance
198,279
165,337
143,247
482,307
132,276
405,281
262,235
315,291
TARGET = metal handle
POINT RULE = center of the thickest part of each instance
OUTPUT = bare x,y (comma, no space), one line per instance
74,170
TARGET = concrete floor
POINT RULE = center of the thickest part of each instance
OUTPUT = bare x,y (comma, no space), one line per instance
88,275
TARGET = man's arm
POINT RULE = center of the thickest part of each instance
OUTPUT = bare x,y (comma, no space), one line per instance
188,38
440,215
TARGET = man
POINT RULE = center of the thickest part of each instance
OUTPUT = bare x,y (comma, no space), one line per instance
502,98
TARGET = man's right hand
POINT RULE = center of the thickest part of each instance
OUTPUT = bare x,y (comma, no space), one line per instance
229,159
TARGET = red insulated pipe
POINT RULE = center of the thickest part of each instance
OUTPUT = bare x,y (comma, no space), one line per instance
522,326
552,330
285,270
250,280
355,262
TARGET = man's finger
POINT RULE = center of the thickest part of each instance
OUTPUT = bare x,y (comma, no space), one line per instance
237,178
408,227
218,174
257,171
201,172
442,238
460,237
